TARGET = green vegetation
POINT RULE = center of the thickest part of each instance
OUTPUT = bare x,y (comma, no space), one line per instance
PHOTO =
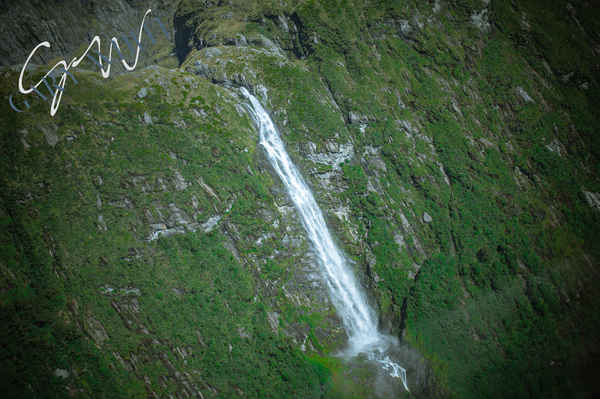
492,134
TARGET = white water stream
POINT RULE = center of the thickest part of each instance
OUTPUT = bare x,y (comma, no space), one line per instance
357,316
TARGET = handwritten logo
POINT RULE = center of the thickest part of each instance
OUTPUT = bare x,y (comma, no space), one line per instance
63,69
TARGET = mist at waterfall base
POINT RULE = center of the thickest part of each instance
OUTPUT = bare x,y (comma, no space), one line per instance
349,300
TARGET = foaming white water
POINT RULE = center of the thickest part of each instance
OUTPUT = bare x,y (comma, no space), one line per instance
357,316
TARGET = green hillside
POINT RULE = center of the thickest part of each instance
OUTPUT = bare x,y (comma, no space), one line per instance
149,250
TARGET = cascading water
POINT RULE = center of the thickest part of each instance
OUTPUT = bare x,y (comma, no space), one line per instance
358,318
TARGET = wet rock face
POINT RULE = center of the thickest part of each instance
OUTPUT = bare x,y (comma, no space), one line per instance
67,25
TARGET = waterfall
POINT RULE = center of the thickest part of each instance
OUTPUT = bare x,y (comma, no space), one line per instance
359,319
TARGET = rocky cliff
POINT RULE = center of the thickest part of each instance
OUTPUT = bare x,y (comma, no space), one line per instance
148,250
69,25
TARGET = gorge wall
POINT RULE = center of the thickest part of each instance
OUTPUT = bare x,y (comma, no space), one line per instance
148,249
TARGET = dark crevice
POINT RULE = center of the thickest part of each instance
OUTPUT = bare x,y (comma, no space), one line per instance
302,47
403,315
183,34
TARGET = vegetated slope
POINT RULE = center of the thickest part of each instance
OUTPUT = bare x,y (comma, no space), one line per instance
451,145
480,115
132,248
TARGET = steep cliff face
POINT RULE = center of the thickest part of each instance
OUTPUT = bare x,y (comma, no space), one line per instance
69,25
149,250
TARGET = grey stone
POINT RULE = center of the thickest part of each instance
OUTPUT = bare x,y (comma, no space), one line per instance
101,223
273,318
455,107
283,23
338,153
593,199
556,147
355,118
61,373
407,127
342,213
486,142
377,278
212,52
405,27
50,135
180,183
23,133
524,95
240,40
177,216
427,218
147,118
263,41
243,333
182,353
480,20
444,175
199,113
565,78
371,186
96,330
210,224
399,240
107,290
202,68
131,291
525,25
191,81
143,92
124,203
166,233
